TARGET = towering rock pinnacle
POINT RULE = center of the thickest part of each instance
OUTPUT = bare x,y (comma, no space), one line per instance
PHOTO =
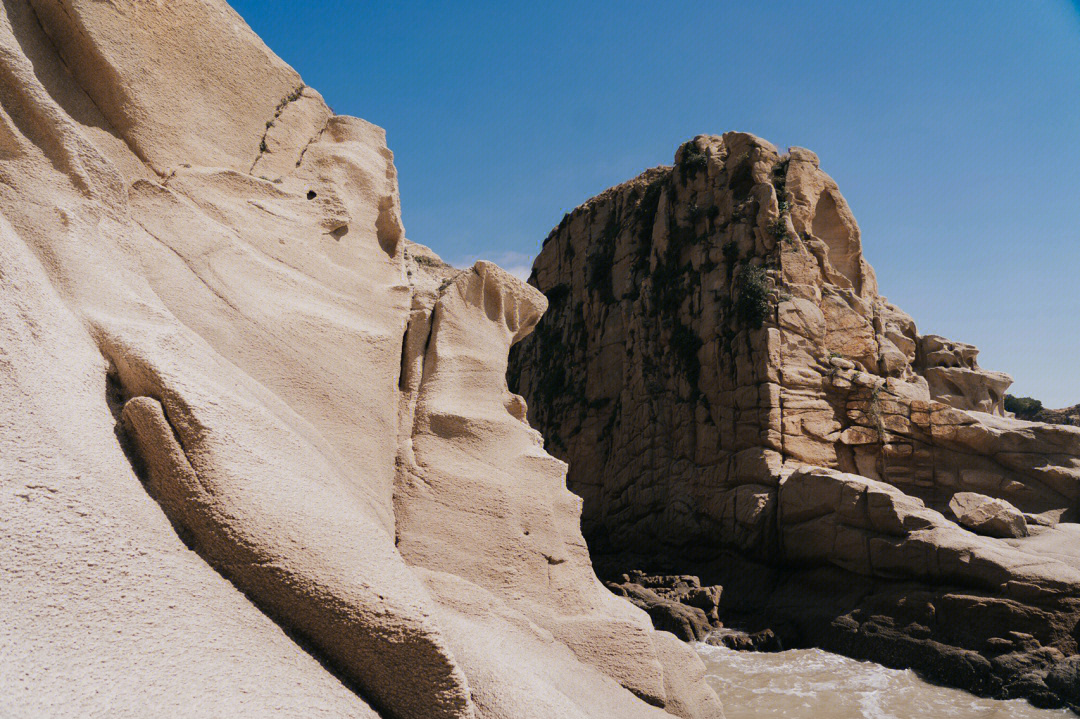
248,429
722,376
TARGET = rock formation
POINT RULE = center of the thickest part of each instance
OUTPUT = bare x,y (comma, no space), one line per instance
257,450
989,516
735,399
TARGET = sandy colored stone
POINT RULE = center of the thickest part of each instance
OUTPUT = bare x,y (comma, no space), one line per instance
223,490
987,515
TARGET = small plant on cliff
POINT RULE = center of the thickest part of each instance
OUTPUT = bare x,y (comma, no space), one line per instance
1022,406
291,97
874,412
428,261
752,303
783,209
694,213
693,160
779,229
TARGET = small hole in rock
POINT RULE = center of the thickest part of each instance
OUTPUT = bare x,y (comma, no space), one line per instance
311,194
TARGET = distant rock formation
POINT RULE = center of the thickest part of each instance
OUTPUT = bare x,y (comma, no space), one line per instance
727,385
1066,415
257,450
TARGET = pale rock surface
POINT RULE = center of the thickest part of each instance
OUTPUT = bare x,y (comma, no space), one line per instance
235,475
989,516
714,331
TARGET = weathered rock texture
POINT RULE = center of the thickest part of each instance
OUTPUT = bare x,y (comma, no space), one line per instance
257,452
721,374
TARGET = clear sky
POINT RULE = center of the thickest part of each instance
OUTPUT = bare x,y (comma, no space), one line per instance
952,128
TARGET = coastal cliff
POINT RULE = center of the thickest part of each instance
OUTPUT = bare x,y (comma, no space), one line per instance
737,401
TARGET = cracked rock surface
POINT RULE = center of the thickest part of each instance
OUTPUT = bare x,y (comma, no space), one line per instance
737,401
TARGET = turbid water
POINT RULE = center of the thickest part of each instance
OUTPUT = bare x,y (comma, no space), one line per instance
812,684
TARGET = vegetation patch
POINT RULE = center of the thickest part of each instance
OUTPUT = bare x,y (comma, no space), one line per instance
694,160
1022,406
291,97
752,303
428,261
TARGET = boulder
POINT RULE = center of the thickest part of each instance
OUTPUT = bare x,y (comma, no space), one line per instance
1064,678
987,515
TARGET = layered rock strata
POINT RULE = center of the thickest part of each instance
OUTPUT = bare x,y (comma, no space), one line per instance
257,451
724,379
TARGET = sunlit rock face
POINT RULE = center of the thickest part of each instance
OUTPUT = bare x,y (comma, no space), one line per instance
722,376
248,430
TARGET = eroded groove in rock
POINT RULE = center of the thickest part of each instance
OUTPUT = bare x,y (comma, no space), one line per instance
324,578
478,498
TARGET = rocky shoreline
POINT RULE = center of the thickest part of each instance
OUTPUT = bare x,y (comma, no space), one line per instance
951,635
265,456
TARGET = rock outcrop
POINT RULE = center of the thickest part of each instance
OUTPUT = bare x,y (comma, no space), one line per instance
257,451
989,516
736,400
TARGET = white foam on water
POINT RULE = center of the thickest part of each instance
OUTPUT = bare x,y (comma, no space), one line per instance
813,684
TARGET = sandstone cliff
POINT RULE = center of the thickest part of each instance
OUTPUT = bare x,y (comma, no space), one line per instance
257,451
728,386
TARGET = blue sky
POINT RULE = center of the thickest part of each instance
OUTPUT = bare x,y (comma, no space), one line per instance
953,129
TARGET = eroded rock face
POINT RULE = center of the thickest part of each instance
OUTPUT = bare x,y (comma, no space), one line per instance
723,378
237,402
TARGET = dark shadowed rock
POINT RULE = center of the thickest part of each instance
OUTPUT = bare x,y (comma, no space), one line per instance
688,623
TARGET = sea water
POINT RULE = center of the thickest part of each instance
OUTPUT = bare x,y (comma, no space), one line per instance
813,684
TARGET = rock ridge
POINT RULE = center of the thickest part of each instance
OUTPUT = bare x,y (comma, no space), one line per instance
257,451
